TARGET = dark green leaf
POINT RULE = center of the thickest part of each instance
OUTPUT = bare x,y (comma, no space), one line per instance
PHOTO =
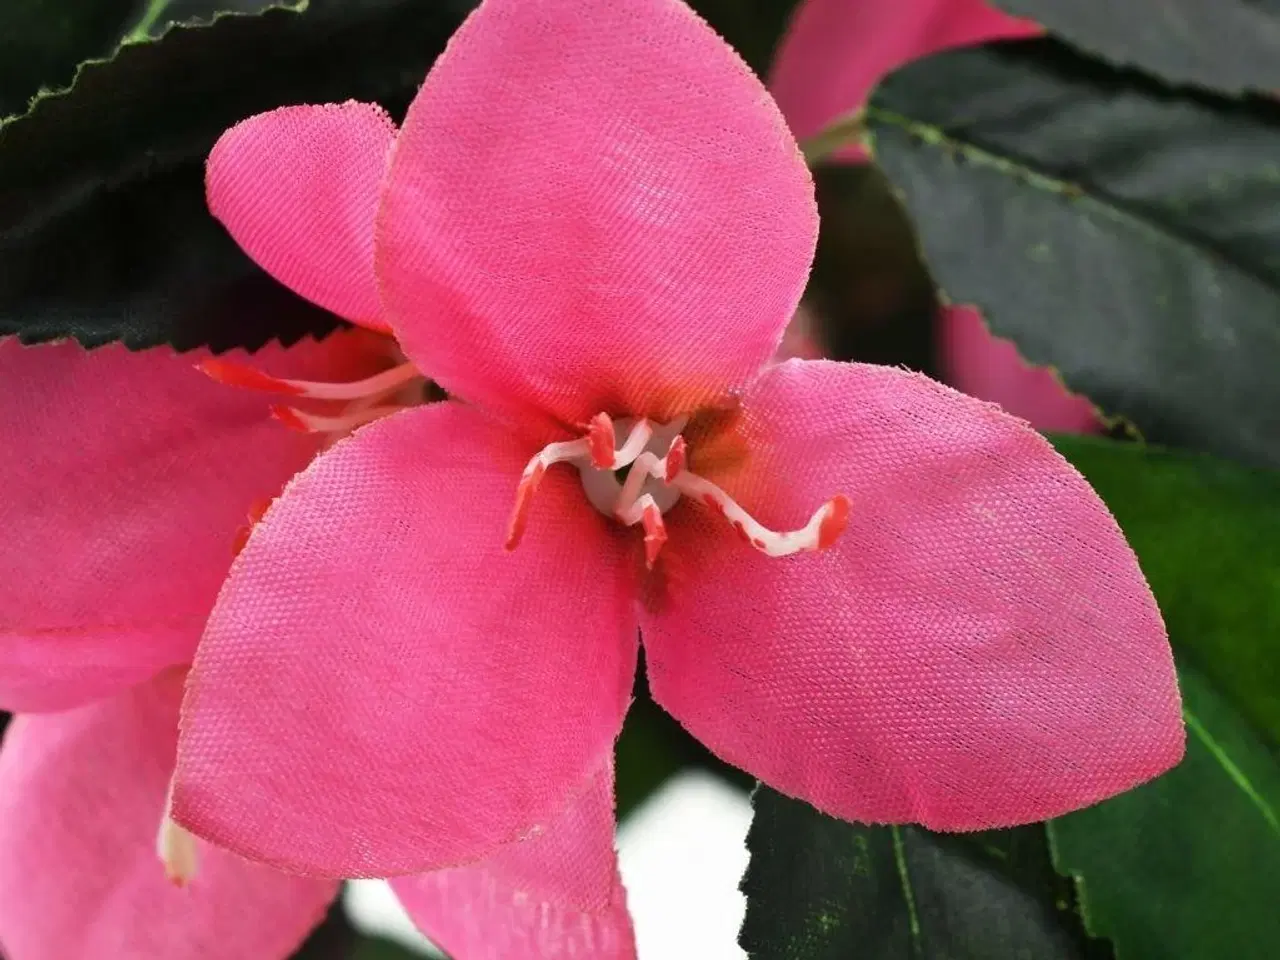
1208,535
1227,45
1187,866
1125,234
821,889
42,41
372,948
103,230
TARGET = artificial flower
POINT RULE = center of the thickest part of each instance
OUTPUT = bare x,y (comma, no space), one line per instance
868,590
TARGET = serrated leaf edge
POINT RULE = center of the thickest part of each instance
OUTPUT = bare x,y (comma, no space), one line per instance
47,93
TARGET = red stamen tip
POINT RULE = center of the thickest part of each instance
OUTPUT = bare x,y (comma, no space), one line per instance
524,497
655,535
601,438
835,519
675,458
239,375
290,418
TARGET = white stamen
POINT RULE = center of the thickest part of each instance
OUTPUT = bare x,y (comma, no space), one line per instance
305,422
633,446
654,484
826,524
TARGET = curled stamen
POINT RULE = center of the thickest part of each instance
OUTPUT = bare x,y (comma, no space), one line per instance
302,422
241,375
567,450
823,529
645,466
646,512
633,446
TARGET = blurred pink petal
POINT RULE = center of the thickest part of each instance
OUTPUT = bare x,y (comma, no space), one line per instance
127,477
402,694
555,895
835,51
988,367
81,797
979,649
298,189
614,219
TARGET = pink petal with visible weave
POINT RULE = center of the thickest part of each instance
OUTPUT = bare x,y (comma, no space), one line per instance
126,477
81,798
555,896
382,689
592,205
298,189
985,366
980,647
835,51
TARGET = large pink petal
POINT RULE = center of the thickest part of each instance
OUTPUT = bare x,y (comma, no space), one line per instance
126,477
383,689
555,896
298,189
592,206
984,366
836,51
81,797
978,649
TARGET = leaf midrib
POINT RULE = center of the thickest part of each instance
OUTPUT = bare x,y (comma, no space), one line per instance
1236,775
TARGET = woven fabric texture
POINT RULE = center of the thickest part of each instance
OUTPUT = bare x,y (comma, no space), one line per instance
979,648
592,206
556,896
81,796
126,477
397,691
614,218
298,189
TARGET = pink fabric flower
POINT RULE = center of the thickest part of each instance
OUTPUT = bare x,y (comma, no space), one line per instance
591,230
132,482
127,480
830,59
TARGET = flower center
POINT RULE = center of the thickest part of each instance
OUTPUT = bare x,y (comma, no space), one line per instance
635,471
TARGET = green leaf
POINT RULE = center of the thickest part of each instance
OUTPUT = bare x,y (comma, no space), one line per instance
1228,45
821,889
1125,234
104,233
42,41
1187,866
1207,533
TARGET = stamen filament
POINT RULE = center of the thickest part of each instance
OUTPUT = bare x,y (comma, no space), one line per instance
552,453
241,375
645,466
822,530
303,422
633,446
